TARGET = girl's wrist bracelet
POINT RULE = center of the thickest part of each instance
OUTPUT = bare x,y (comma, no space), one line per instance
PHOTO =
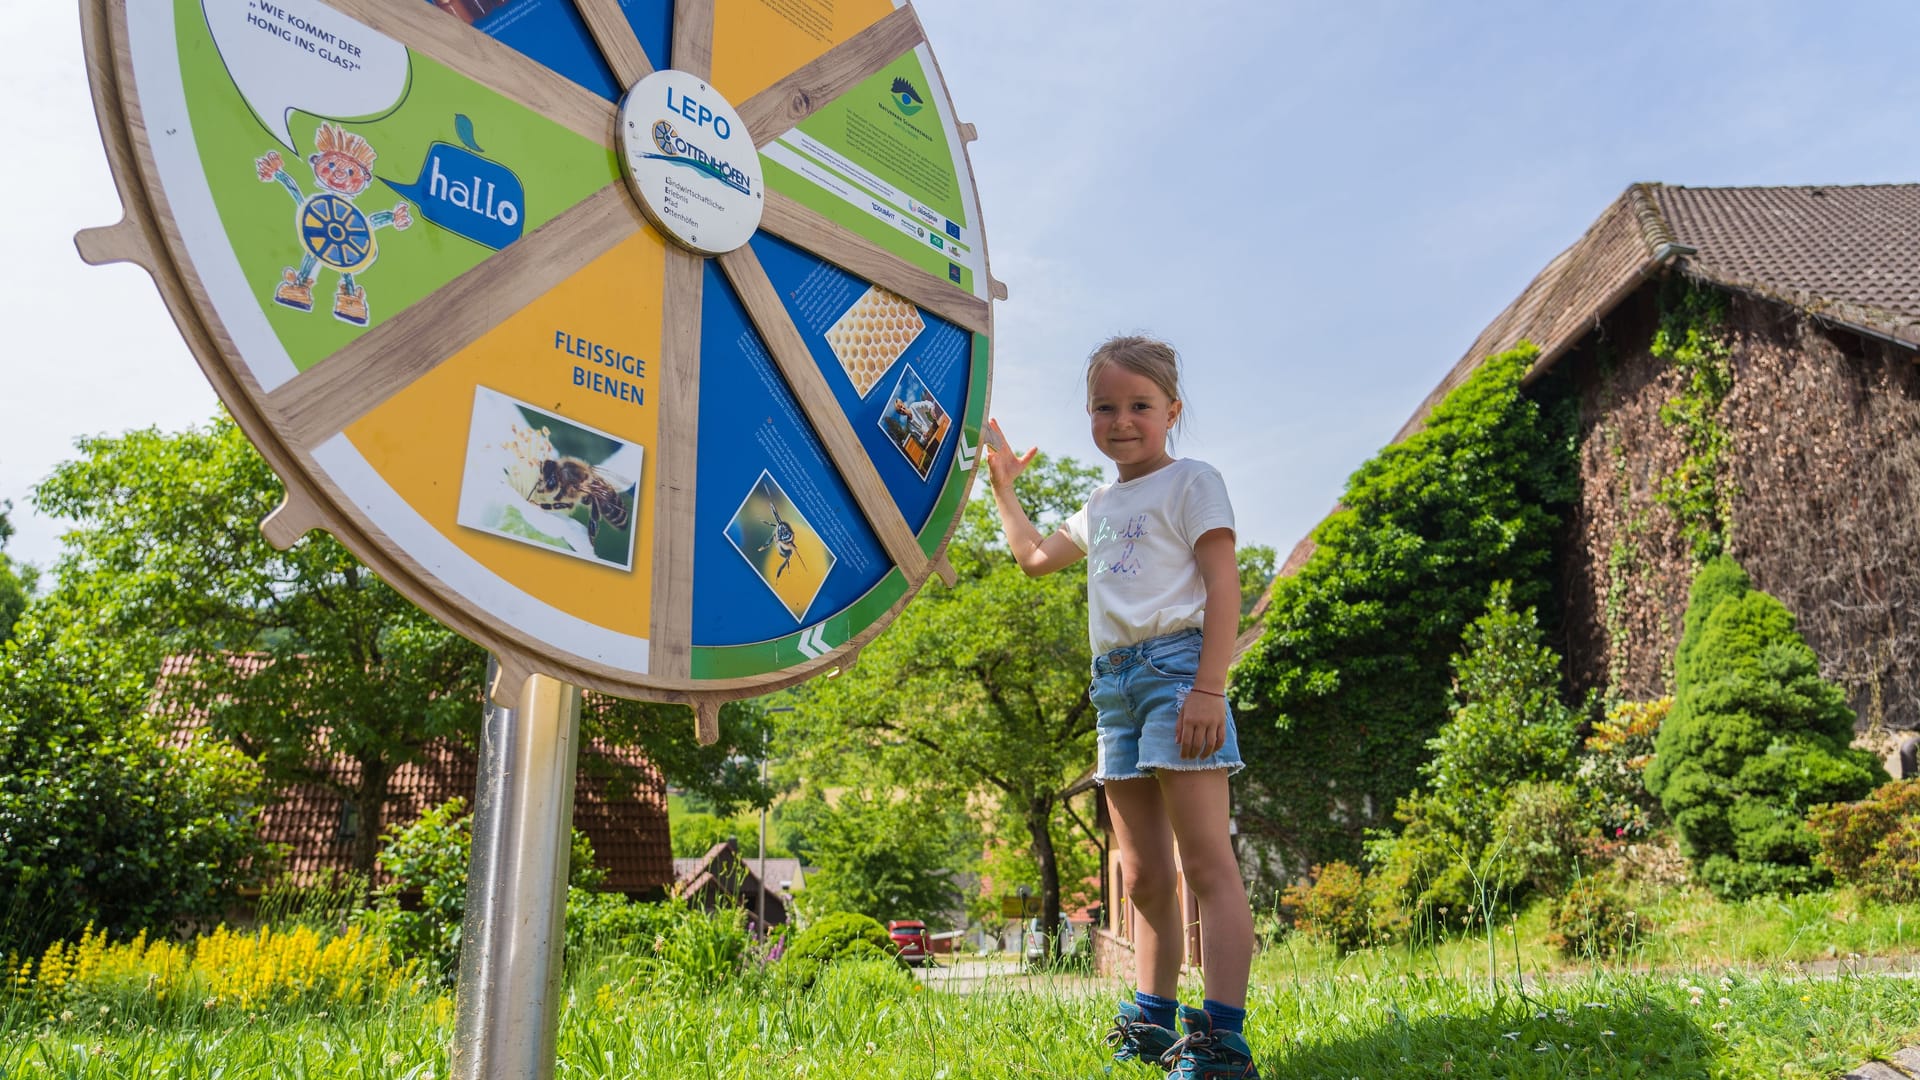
1209,693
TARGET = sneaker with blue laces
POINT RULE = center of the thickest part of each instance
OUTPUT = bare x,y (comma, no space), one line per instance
1135,1038
1205,1054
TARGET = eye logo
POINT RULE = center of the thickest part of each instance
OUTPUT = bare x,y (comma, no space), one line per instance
906,98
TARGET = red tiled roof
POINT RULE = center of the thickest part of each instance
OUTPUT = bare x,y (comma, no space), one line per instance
629,832
626,821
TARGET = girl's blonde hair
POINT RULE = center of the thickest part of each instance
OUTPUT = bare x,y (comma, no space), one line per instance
1146,356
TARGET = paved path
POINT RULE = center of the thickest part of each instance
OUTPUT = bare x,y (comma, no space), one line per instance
1904,1066
967,975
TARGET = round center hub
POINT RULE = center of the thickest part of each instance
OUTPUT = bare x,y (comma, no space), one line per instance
691,162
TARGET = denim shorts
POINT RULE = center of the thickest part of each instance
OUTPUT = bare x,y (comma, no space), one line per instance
1137,693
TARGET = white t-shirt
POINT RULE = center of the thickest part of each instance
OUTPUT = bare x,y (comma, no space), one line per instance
921,417
1142,580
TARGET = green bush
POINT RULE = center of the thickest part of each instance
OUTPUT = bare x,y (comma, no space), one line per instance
1612,771
668,943
1336,906
1755,740
698,950
834,938
600,922
838,935
105,819
1427,874
422,906
859,984
1509,728
1544,831
1595,920
1874,844
1350,678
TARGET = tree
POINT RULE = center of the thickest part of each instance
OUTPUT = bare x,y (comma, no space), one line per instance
887,855
977,690
295,657
1256,570
1756,739
695,834
1508,732
1007,863
16,579
1338,698
724,776
104,820
303,655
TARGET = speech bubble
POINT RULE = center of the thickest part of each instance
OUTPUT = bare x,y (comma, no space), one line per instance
300,54
465,193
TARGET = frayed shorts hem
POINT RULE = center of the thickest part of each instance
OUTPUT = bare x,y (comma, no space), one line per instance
1198,766
1147,771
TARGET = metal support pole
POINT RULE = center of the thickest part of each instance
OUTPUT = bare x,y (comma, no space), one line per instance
508,1000
762,915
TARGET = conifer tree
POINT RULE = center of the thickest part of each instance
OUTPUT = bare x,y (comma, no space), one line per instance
1755,740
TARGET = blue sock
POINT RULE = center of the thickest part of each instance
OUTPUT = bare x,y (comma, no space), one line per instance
1159,1010
1224,1017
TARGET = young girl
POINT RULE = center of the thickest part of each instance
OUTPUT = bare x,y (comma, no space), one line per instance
1163,604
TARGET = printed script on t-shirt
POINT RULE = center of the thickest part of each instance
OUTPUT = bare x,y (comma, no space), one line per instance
1127,562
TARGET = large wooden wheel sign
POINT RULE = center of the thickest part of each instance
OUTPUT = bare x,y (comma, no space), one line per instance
645,343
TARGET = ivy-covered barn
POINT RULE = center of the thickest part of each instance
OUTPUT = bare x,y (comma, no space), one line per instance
1718,370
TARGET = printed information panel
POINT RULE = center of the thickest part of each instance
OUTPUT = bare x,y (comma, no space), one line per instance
427,290
880,162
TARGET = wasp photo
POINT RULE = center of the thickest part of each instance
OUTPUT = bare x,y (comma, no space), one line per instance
779,543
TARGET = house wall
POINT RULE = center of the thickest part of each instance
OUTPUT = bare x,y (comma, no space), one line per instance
1825,457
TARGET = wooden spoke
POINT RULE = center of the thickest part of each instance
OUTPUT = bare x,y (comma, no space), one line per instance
614,35
671,651
324,399
774,111
816,399
488,62
693,37
797,224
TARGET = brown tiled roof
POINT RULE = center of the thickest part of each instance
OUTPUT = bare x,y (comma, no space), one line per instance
1847,255
627,822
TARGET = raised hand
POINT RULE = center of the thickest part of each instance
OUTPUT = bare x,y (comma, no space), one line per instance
266,167
1002,466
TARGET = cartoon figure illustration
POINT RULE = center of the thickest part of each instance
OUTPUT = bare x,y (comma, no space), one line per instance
782,540
333,231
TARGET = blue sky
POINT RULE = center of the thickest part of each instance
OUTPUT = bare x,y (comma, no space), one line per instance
1320,205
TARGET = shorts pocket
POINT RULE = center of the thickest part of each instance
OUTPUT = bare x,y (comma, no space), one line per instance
1179,662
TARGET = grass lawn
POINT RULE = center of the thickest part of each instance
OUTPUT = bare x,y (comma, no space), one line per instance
872,1021
1734,1006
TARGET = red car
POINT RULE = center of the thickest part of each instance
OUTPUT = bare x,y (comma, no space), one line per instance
910,941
